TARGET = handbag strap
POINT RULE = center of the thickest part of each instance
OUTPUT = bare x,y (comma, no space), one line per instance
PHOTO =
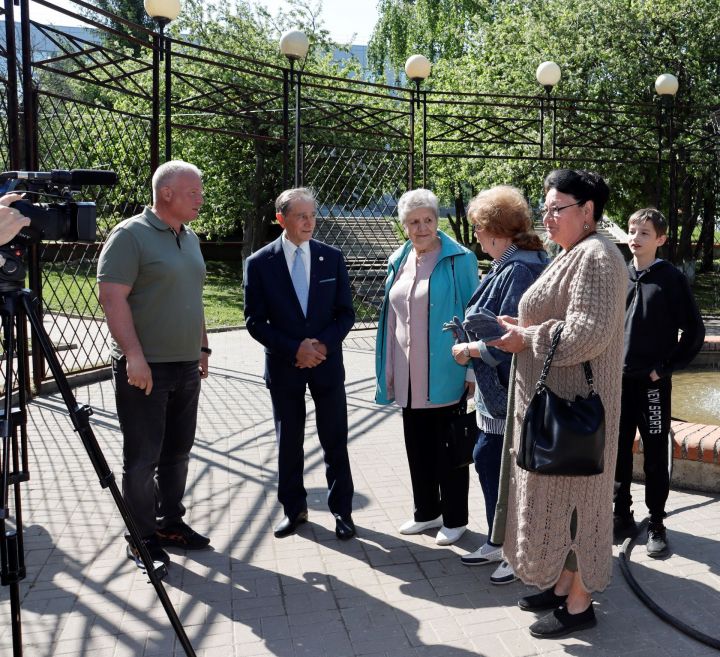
541,385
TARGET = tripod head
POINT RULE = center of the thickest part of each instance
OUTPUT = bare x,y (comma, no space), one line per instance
12,268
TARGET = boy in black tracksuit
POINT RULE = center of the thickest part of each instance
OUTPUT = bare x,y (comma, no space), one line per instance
659,305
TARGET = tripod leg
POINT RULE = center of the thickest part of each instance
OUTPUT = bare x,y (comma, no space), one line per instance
79,416
14,558
12,562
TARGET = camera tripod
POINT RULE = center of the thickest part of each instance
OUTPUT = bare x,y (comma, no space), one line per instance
16,305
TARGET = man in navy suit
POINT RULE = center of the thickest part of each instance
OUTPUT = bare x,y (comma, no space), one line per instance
298,305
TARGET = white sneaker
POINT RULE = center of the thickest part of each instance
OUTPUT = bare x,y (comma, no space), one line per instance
412,527
504,574
486,554
448,535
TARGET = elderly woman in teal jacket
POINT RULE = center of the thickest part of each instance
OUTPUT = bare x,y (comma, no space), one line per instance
430,279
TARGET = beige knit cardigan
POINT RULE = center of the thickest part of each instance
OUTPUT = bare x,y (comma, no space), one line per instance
586,288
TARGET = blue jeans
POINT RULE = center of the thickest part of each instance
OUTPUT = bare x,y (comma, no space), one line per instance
158,432
487,455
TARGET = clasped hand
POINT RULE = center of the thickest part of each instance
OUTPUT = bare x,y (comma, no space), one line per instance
311,353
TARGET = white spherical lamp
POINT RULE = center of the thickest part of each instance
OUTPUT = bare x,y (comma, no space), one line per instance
294,44
417,67
548,75
166,10
666,85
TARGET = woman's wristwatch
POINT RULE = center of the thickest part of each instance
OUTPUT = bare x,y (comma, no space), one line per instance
206,350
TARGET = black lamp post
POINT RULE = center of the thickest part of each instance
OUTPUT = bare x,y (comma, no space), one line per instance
417,68
294,45
548,74
163,12
666,86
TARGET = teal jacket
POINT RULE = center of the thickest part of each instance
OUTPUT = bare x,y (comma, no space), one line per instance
452,283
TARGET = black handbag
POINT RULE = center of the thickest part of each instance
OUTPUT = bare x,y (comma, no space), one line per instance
562,436
461,436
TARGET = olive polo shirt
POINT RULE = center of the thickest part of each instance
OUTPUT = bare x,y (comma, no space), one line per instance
166,272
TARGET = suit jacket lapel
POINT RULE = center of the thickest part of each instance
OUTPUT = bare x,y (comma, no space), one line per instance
314,273
284,279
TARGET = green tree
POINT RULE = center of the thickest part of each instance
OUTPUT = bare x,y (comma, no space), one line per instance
232,96
227,95
129,10
610,51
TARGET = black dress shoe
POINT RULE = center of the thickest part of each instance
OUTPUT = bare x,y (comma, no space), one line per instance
344,527
541,601
561,622
286,526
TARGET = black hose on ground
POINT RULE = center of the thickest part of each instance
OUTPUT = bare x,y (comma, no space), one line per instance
651,604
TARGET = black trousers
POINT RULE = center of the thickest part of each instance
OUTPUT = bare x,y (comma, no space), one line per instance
437,489
645,407
332,427
158,434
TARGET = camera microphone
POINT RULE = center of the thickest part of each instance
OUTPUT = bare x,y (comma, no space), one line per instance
73,177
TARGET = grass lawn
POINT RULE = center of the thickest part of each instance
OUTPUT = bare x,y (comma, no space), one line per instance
224,294
74,291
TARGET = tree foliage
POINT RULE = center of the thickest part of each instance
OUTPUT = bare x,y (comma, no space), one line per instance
227,96
611,51
130,10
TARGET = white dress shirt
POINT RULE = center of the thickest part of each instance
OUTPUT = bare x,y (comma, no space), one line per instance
289,250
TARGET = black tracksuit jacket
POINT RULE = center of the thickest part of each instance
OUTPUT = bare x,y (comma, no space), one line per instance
659,304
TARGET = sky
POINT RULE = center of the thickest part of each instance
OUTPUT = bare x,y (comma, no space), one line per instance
347,20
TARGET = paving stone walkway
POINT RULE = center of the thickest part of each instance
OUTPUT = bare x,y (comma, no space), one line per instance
308,595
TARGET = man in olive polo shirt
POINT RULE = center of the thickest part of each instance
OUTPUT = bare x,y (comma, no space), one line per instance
150,277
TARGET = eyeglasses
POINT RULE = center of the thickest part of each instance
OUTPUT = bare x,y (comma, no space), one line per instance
555,212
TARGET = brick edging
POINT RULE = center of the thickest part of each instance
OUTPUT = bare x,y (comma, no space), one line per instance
693,442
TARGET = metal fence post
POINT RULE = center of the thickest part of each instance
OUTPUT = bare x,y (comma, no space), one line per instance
542,127
30,113
669,101
298,162
411,150
424,137
168,99
286,129
155,121
13,108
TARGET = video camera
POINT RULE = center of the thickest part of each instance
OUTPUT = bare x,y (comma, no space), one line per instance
67,220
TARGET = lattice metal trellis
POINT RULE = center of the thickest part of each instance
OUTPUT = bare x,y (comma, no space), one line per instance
97,102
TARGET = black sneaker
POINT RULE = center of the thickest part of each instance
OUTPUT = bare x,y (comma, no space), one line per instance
160,558
183,537
657,540
624,526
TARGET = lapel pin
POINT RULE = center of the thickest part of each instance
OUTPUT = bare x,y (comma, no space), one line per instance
321,258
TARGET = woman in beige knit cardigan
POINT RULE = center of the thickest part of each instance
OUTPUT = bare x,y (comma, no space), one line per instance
558,530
